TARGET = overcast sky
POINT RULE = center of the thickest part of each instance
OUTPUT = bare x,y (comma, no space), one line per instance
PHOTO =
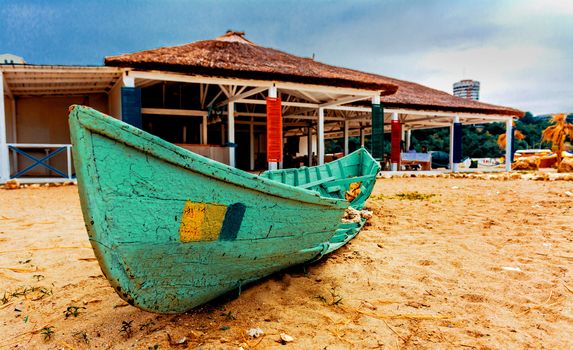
520,50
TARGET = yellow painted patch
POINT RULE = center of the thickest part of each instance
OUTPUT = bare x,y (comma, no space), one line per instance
201,222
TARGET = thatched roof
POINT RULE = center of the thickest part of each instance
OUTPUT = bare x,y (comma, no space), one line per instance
415,96
231,55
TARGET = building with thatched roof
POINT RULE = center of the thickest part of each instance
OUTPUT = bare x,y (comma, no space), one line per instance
211,97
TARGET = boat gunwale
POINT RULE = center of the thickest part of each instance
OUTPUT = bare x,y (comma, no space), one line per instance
113,128
362,152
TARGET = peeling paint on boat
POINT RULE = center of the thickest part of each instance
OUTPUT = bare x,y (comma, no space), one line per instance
173,230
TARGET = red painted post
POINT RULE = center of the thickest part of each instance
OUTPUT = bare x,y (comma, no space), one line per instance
274,130
396,140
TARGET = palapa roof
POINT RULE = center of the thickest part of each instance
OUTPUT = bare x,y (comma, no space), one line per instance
231,55
415,96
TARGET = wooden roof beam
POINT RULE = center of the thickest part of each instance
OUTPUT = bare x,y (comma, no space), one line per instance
7,90
60,92
308,96
59,69
165,76
292,104
225,91
306,117
18,90
55,80
170,111
423,119
243,95
145,83
342,101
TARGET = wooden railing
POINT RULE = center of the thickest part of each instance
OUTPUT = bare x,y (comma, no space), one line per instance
50,150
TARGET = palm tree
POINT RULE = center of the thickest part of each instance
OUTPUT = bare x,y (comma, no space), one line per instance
557,133
502,137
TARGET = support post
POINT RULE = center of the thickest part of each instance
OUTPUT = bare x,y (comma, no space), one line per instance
508,142
408,139
4,156
320,145
377,135
14,133
396,139
69,159
252,144
273,93
309,144
346,147
128,81
455,144
131,102
204,130
361,136
451,161
231,133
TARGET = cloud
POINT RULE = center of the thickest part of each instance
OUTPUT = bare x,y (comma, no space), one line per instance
517,75
543,8
518,49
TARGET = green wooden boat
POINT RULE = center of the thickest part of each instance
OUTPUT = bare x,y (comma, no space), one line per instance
172,229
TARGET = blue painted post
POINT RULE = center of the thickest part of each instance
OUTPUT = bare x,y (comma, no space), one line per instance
457,144
131,106
377,135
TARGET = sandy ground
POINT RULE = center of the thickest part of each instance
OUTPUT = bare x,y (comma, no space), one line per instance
476,264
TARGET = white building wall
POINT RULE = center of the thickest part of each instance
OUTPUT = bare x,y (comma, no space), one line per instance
44,120
9,119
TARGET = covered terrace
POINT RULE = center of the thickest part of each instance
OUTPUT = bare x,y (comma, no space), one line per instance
418,107
208,96
211,97
224,84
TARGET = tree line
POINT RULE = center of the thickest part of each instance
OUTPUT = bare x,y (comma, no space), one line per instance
478,141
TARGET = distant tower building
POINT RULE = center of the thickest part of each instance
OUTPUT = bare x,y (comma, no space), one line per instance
467,89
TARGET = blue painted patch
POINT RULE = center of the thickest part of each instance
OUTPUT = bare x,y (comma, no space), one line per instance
232,222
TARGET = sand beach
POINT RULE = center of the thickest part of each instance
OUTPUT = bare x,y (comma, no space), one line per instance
445,263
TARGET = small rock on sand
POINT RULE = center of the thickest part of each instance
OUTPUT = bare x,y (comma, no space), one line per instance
12,184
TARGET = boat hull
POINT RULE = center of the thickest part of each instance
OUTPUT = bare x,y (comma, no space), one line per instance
172,230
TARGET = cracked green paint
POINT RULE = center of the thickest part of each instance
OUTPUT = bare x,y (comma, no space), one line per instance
133,190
